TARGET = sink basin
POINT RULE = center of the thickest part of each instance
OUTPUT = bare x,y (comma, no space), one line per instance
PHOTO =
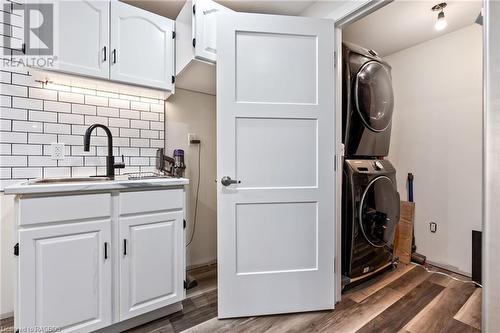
47,181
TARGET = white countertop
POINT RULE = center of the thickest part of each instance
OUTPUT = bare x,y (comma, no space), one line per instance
108,185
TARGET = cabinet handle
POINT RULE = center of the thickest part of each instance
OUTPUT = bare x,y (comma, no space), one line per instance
105,250
114,56
124,247
105,54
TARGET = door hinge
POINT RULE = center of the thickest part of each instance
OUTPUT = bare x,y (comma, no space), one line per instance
194,9
173,34
173,79
185,284
16,249
184,223
194,42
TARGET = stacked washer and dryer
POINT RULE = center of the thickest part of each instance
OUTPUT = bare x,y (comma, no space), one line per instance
370,198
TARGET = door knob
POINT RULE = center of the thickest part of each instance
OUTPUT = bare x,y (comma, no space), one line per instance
226,181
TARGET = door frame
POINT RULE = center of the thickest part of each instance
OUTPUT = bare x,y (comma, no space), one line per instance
349,17
491,157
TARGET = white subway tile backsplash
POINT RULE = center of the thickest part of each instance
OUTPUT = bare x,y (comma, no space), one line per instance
71,161
41,138
28,150
149,116
41,161
139,143
5,125
57,128
27,103
5,149
141,124
13,161
56,106
130,114
26,173
119,122
44,116
27,126
141,106
90,120
71,97
84,109
96,100
35,115
108,112
67,118
13,137
46,94
129,133
56,172
149,134
84,171
8,113
119,103
5,173
13,90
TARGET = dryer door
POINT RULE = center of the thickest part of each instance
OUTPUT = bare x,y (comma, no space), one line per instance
379,212
373,96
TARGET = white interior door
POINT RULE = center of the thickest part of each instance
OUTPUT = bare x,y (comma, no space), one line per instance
275,135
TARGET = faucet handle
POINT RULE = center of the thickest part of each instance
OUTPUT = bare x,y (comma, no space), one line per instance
120,165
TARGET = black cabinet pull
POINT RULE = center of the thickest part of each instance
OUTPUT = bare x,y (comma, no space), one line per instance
124,247
114,56
105,54
105,250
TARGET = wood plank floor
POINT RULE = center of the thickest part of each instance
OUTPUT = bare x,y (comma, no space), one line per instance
405,300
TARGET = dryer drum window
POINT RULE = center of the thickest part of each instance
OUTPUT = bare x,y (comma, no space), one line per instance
379,212
373,96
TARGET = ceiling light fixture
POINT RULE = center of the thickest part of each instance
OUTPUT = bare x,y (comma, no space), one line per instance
441,21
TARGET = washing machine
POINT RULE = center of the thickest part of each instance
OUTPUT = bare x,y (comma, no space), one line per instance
367,104
370,214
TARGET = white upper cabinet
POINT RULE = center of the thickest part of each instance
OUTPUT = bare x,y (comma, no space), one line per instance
205,28
196,45
82,35
142,47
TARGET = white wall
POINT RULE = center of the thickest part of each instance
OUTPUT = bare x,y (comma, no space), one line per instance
333,9
437,135
192,112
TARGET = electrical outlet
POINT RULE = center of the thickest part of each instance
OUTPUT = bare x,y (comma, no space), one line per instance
58,151
433,227
191,136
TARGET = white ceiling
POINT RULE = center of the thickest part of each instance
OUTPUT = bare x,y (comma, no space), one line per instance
404,23
171,8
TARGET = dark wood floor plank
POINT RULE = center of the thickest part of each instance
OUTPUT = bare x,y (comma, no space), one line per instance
435,316
409,280
455,326
400,313
470,313
364,290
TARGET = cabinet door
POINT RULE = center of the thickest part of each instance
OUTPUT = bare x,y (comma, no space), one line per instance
151,274
83,37
64,277
205,28
142,47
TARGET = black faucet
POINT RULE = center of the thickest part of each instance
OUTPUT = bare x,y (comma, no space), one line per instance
110,160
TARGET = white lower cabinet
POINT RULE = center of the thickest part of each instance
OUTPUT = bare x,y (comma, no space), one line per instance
64,279
67,253
150,274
